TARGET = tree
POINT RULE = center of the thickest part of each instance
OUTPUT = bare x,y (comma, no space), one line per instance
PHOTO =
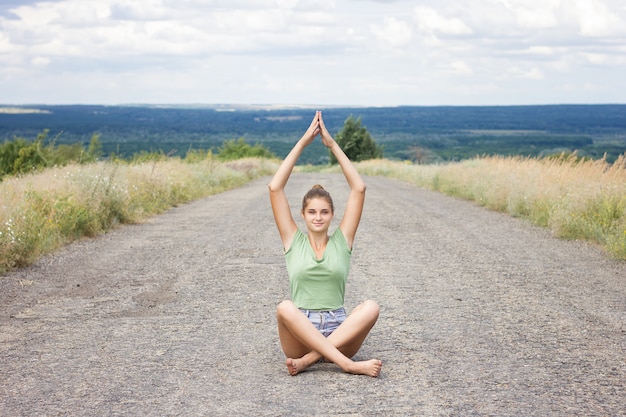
356,142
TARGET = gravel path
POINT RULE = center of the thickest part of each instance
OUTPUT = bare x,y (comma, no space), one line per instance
481,314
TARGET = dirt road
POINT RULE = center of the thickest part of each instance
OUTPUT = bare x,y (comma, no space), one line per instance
481,314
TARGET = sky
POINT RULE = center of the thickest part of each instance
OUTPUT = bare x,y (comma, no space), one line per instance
313,52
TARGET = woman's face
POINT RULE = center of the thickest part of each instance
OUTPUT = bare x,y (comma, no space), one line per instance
317,215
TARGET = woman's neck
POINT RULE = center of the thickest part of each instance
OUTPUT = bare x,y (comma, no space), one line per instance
318,240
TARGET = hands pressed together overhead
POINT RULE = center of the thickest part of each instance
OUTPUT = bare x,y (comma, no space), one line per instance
317,127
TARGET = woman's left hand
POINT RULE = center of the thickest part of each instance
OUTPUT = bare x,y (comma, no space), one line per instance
327,139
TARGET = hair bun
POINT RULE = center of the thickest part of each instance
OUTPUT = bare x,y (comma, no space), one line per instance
317,192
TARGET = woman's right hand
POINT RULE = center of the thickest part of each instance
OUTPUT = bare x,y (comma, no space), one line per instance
327,138
312,131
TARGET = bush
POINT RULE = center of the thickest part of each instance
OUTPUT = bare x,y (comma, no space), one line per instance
22,156
232,150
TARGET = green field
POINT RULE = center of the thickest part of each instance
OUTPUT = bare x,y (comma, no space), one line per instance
419,134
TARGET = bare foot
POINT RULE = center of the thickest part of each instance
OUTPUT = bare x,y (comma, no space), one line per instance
292,366
295,366
371,368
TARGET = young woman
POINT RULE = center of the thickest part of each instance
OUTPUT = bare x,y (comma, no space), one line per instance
313,324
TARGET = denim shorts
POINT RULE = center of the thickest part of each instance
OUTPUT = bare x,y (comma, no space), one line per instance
326,321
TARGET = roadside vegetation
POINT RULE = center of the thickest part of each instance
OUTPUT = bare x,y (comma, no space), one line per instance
51,194
574,197
42,211
20,156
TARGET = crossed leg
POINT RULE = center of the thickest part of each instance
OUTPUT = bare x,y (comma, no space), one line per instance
304,345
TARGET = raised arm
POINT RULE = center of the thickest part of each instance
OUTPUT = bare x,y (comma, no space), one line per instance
354,208
280,206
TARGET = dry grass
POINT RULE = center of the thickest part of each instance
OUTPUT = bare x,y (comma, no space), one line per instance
576,199
41,212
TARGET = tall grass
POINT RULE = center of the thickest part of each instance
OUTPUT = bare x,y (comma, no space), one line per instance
575,198
43,211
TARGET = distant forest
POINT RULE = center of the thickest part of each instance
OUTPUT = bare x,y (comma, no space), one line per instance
419,134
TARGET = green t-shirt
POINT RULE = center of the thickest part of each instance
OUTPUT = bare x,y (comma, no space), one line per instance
318,284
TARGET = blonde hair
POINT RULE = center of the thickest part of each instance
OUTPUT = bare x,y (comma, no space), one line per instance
317,191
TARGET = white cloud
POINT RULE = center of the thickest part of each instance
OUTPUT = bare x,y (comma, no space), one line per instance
40,61
6,46
461,67
150,26
393,32
534,74
346,52
541,50
431,20
533,14
596,59
513,73
596,19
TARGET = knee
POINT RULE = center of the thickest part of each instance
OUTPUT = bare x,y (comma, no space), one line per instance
371,308
285,308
